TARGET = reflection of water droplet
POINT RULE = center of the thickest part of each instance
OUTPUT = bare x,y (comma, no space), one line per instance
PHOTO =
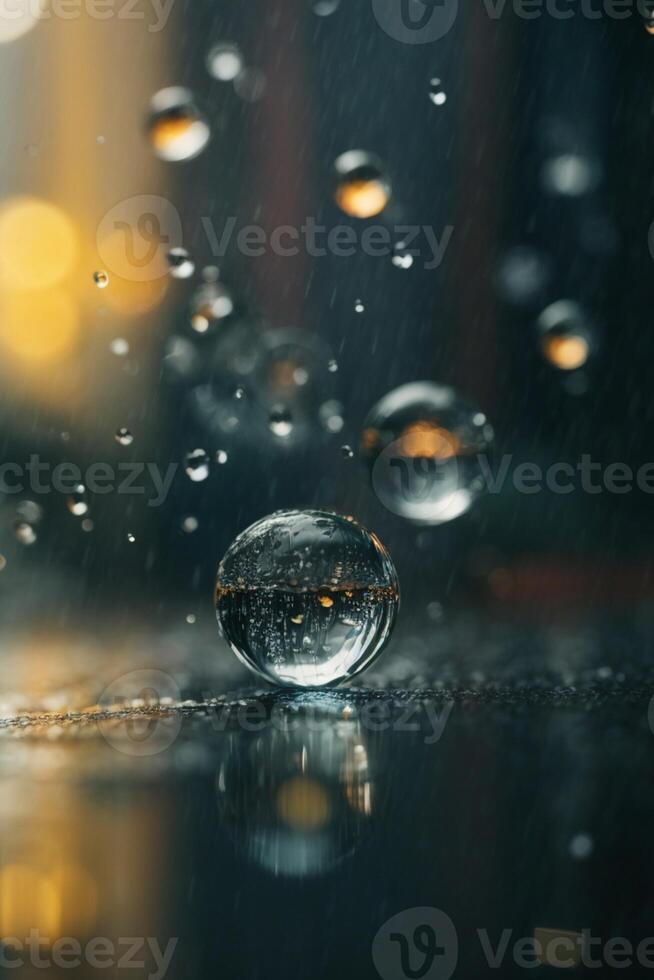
25,533
180,263
239,394
402,258
77,501
362,187
281,421
119,346
124,437
565,336
224,62
197,465
436,93
101,279
423,445
347,452
274,608
176,127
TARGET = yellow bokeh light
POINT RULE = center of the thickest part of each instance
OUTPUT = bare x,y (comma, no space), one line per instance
362,198
566,353
38,326
303,804
38,244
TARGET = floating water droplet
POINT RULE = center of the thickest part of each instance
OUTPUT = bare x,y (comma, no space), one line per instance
29,511
180,263
565,335
197,465
124,437
279,615
239,394
191,618
332,366
436,92
224,62
570,174
358,306
131,537
281,421
25,533
210,306
101,279
221,457
119,346
176,126
190,524
347,452
87,524
362,187
77,501
402,257
423,446
331,416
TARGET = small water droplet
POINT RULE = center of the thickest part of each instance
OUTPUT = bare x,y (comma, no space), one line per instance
190,524
197,465
191,618
124,437
225,62
180,263
402,258
281,422
347,452
77,502
131,537
362,188
87,524
221,457
239,394
119,346
29,511
25,533
101,279
436,93
359,307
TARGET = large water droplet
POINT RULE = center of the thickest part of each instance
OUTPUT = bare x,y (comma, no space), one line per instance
177,128
363,189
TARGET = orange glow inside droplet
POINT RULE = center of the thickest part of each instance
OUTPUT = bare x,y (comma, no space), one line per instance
566,353
362,198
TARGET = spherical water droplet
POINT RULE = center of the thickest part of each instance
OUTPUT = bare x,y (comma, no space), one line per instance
131,537
190,525
325,8
124,437
87,524
176,126
306,598
436,92
191,618
423,444
101,279
119,346
402,257
359,307
570,175
25,533
210,305
221,457
347,452
565,335
362,187
331,416
281,421
581,847
224,62
197,465
77,501
180,263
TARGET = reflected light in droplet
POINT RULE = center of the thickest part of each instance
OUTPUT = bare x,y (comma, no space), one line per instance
303,804
566,353
38,245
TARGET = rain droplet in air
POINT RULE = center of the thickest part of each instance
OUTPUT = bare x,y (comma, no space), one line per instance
363,189
436,93
358,306
180,263
280,421
225,62
190,524
306,598
221,457
565,335
402,257
131,537
347,452
101,279
77,501
124,437
176,126
210,306
332,366
196,465
119,346
25,533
